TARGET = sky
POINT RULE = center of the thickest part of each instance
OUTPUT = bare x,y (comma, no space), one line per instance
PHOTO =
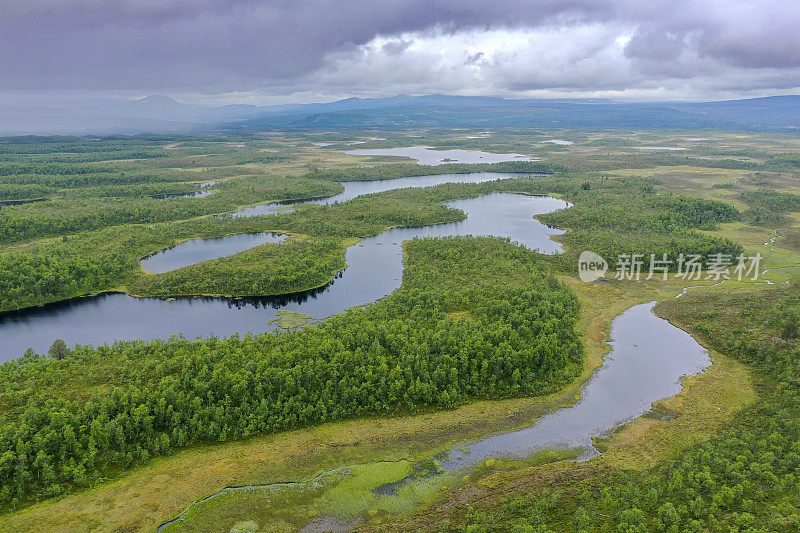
280,51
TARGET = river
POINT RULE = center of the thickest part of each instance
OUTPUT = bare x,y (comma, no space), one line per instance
374,270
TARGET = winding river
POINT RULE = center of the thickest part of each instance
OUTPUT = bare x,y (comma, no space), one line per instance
648,355
374,270
197,250
647,360
353,189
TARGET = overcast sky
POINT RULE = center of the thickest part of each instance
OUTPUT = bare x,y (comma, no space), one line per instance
262,52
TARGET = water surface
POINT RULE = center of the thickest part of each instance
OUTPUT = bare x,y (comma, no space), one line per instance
199,194
428,156
352,189
198,250
647,359
374,270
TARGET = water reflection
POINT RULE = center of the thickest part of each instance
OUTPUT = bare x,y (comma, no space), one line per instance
374,270
647,359
197,250
353,189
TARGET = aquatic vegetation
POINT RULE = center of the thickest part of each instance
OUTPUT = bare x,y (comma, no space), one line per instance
291,319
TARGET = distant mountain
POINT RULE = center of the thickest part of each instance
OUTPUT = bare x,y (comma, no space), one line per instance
157,100
773,112
776,113
162,114
153,114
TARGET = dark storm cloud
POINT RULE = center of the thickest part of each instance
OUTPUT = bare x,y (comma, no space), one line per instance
175,43
280,46
748,34
396,47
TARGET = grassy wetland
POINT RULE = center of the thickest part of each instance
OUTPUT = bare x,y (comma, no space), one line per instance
481,338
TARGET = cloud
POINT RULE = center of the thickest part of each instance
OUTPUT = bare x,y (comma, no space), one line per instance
490,61
295,50
174,43
394,48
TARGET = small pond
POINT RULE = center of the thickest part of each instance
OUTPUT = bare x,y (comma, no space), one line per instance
198,250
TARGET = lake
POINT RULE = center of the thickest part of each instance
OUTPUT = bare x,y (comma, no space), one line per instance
374,270
428,156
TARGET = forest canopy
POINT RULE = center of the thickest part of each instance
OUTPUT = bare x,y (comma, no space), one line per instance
515,336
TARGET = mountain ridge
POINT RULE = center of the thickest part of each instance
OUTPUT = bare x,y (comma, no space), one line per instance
159,113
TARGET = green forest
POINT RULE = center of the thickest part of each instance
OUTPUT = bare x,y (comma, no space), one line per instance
430,266
517,338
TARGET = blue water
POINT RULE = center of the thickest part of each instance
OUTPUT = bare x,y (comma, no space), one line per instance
374,270
197,250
